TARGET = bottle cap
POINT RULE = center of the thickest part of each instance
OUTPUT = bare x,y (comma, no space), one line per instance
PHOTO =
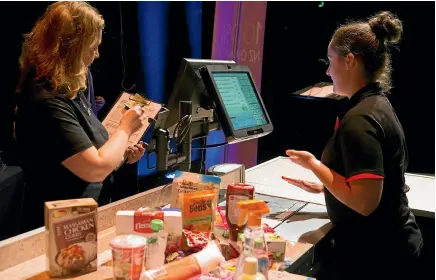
156,225
253,210
250,266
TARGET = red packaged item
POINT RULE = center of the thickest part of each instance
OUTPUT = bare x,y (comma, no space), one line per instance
196,240
268,229
142,220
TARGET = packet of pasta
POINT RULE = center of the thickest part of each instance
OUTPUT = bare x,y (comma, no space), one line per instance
187,182
198,218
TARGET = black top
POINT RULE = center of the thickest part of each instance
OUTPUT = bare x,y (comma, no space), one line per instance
370,143
49,129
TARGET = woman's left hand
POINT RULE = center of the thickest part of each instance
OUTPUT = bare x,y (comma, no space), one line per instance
135,153
302,158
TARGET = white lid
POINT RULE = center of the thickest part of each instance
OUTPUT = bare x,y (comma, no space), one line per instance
226,167
128,242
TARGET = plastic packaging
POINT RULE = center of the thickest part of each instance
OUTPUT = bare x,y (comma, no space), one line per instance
187,182
128,256
202,262
236,193
198,218
254,238
156,244
250,270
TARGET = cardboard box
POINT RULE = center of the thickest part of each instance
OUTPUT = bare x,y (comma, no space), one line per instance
276,245
126,224
71,236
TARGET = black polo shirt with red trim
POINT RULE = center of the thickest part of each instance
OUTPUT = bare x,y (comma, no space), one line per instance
369,142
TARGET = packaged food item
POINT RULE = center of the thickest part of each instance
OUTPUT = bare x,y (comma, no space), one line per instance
139,223
174,256
226,247
71,236
198,218
196,264
128,256
187,182
276,245
235,193
221,227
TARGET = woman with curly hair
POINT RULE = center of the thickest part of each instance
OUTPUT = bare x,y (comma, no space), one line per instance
65,152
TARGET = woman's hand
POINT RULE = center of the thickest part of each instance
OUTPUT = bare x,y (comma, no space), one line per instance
135,153
308,186
133,119
302,158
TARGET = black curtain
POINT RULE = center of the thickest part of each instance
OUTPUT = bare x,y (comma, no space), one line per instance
297,35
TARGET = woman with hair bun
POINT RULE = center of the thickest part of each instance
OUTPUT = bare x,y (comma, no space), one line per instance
65,152
363,165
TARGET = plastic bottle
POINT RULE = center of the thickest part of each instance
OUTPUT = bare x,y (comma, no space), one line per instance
250,270
156,245
236,193
202,262
254,244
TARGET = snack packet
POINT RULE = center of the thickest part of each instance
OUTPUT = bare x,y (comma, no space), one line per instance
198,218
187,182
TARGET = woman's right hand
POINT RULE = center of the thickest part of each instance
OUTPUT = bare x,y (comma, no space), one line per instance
133,120
308,186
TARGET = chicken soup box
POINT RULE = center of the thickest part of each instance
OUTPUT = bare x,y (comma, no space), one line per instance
71,236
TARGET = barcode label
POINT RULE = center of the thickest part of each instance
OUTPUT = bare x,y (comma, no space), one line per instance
159,272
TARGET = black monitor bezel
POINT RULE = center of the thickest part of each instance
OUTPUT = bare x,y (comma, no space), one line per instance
250,132
187,73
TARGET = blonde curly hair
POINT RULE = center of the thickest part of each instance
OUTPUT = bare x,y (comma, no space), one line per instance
58,43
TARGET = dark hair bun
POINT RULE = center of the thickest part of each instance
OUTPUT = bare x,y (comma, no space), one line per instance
387,27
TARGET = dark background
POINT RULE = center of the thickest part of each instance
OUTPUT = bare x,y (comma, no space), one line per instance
297,35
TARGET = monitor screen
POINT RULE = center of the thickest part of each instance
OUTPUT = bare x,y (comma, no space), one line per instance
238,104
239,99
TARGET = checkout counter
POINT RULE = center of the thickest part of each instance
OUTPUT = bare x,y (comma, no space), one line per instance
297,216
304,224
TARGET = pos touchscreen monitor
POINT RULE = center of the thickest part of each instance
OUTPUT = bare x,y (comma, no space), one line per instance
239,106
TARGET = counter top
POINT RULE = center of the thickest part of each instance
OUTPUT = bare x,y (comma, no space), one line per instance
23,256
266,178
35,268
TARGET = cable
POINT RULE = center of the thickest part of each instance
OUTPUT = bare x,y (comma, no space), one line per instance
202,153
211,146
184,132
123,58
175,138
